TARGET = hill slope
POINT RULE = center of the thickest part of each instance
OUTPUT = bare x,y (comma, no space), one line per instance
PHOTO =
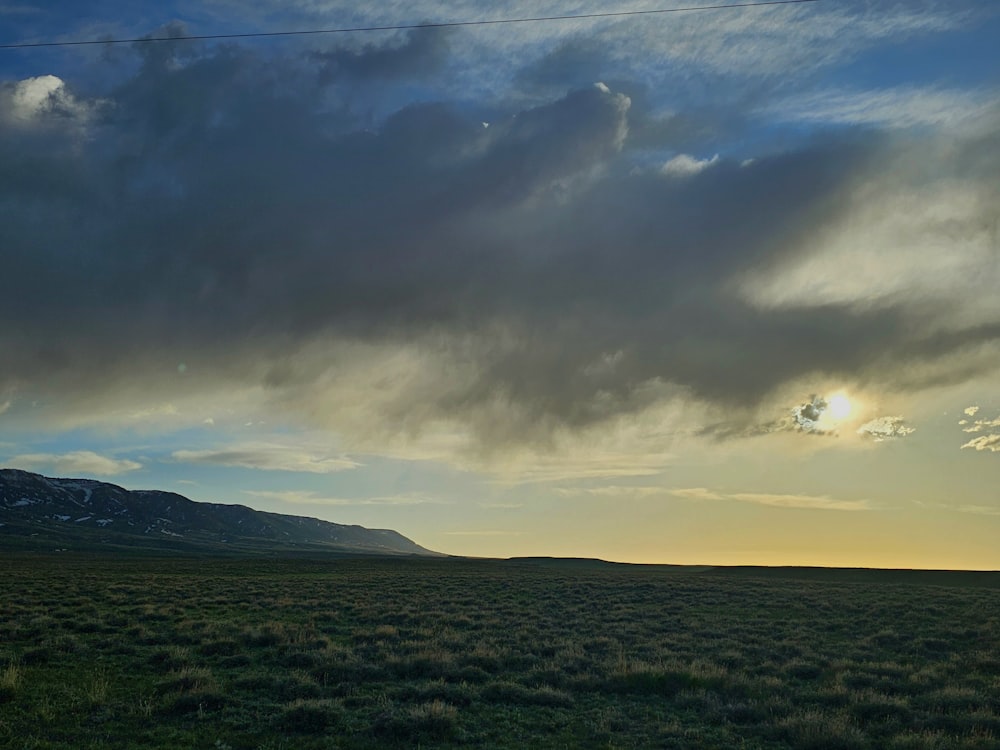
41,512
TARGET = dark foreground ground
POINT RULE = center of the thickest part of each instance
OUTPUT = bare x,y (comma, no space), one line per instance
364,653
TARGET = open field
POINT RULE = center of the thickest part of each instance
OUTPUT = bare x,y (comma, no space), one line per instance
100,652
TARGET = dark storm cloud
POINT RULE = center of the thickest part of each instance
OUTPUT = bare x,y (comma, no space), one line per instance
421,53
221,210
574,63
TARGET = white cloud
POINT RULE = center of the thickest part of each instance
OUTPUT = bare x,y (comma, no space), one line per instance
763,41
903,107
32,95
910,233
696,493
268,457
814,502
985,443
555,467
971,410
979,510
981,424
821,502
885,428
29,100
154,412
611,491
776,43
683,165
76,463
300,497
4,406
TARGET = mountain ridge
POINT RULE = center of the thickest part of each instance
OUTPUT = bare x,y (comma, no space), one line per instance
69,513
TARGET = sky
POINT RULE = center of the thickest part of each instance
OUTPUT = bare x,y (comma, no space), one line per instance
711,287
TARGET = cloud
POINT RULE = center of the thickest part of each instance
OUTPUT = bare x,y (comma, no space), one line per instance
34,102
806,417
612,491
696,493
821,502
985,443
974,509
885,428
770,45
979,510
971,410
74,463
557,466
902,107
981,424
810,418
418,53
388,269
814,502
162,410
300,497
5,405
683,165
268,457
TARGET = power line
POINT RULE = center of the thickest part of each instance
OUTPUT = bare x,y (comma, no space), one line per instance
400,27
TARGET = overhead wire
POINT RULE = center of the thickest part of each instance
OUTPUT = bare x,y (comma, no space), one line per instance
406,26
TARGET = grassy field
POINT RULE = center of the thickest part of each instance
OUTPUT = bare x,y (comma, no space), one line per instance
365,653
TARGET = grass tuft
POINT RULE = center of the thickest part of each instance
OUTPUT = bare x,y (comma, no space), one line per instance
429,721
10,681
309,716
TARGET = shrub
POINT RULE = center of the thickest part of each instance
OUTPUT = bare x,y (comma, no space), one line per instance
308,716
225,647
198,701
512,692
430,721
803,670
665,682
268,634
812,730
301,659
170,659
870,706
425,692
40,655
186,680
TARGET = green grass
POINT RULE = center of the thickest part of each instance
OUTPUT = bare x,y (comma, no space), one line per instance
100,652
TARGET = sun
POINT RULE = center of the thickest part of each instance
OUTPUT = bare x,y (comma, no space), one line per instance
840,406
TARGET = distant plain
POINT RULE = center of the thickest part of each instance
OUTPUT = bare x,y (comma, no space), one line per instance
263,653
